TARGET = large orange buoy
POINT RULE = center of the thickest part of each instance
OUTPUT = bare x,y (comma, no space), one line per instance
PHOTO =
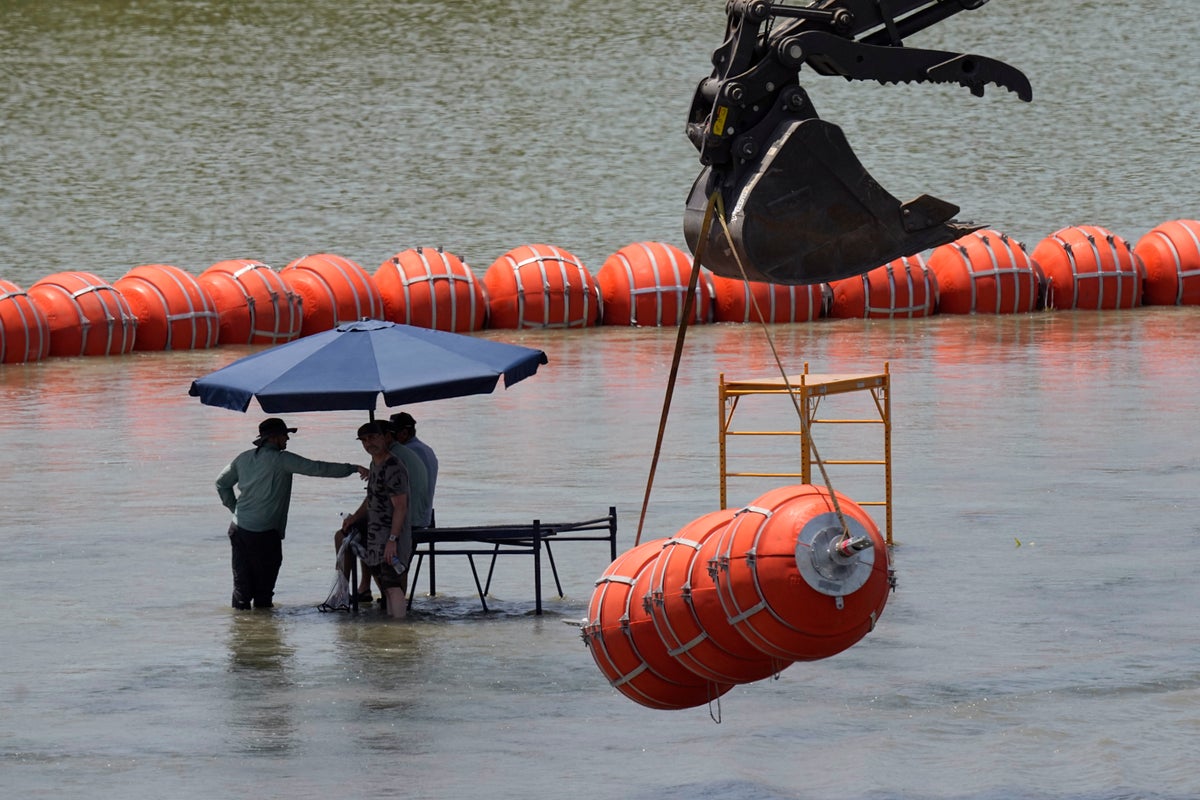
24,332
1170,254
985,272
430,288
792,583
612,612
254,305
174,311
901,288
737,301
540,286
86,315
1089,267
335,290
709,609
646,284
674,616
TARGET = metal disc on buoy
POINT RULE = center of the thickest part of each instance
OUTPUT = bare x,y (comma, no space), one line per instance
792,582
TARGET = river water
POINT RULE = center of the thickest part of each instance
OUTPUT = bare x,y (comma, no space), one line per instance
1042,642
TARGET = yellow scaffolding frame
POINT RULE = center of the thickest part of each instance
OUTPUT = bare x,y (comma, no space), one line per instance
810,389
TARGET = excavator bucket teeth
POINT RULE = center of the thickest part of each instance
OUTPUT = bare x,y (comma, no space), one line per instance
809,212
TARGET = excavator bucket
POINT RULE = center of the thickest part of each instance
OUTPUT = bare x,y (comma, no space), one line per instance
798,206
809,212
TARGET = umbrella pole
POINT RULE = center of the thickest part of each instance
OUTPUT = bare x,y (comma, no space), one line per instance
354,563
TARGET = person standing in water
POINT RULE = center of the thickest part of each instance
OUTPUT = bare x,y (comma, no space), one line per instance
387,548
263,477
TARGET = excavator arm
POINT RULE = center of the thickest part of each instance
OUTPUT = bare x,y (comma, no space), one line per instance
799,206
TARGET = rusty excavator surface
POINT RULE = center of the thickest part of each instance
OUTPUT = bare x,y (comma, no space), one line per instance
799,205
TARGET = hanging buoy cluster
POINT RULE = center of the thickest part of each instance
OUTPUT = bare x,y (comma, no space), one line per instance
737,596
242,301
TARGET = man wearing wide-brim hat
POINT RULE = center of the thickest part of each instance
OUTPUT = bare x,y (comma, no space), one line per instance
263,476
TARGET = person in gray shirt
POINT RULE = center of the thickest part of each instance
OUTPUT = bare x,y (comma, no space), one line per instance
263,477
406,434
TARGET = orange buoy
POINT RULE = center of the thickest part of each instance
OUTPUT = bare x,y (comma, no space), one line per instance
646,284
709,609
254,305
904,287
431,288
735,301
615,629
674,617
174,311
86,315
540,286
24,332
1170,254
1088,267
334,290
792,583
985,272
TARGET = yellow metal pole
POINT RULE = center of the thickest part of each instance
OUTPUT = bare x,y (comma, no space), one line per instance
722,423
887,444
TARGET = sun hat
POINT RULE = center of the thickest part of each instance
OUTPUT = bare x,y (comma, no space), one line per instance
272,426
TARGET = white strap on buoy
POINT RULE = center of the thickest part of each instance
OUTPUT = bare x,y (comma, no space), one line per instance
766,512
688,646
617,579
757,607
685,542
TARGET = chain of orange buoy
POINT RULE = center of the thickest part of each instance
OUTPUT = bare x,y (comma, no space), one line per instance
541,286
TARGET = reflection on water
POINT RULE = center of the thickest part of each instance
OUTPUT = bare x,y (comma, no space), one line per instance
262,689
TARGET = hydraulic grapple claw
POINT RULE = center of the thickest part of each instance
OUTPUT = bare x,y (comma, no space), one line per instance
799,206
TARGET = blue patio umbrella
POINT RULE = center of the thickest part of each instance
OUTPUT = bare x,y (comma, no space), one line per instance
349,367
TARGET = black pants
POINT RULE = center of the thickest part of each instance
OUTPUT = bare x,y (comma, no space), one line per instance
257,556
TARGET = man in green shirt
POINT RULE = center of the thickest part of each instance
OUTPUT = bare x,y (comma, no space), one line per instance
260,508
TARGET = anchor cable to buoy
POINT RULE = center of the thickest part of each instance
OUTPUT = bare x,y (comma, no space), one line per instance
688,304
805,427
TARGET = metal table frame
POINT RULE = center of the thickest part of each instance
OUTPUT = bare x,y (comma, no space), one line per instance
493,541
